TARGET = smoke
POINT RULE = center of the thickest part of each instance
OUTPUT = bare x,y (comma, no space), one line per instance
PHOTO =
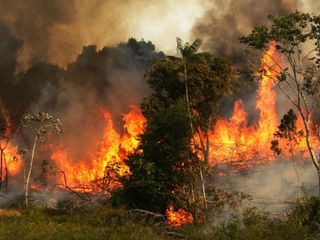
55,32
110,78
273,187
9,46
225,21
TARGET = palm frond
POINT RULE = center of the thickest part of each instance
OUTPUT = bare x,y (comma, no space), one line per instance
194,47
179,45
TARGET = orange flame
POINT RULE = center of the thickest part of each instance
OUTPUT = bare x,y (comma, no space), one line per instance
108,162
233,141
176,218
11,159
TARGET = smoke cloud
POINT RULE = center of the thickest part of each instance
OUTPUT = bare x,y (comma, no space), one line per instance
56,31
225,21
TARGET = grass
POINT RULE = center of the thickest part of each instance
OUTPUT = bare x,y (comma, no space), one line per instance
49,224
301,223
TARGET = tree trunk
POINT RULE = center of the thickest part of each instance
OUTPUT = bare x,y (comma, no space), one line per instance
1,167
318,170
192,130
203,189
6,176
29,172
296,170
312,154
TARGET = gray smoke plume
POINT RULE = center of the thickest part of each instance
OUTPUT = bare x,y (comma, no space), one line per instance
221,25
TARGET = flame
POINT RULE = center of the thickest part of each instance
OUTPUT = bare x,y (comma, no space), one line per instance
11,159
108,161
176,218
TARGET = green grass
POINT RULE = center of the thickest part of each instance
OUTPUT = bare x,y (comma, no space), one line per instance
108,223
48,224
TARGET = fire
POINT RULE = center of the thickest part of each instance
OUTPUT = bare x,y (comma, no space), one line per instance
176,218
234,141
10,158
108,162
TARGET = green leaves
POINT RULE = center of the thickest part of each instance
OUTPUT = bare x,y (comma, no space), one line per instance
287,130
289,31
259,38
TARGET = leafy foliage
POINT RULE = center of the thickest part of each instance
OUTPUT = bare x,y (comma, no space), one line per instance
287,130
297,41
161,166
209,78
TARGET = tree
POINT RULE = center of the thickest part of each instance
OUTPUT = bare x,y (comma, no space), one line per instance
167,167
204,80
287,130
161,167
297,39
40,125
7,131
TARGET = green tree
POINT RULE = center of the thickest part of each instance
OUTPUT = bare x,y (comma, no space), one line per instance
161,167
203,80
297,39
288,131
167,167
40,125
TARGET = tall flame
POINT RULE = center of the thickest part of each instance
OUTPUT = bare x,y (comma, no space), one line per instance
109,158
233,140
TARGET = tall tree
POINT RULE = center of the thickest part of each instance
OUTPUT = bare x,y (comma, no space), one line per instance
187,91
297,39
203,79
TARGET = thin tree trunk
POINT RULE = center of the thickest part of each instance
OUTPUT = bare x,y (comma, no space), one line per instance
6,178
203,189
29,172
296,170
319,179
1,166
312,154
191,126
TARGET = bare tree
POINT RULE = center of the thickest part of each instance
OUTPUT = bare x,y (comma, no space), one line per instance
39,125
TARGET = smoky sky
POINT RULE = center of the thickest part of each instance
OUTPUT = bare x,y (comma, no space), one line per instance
56,30
225,21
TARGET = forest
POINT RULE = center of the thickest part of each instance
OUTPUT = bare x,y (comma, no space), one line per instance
131,142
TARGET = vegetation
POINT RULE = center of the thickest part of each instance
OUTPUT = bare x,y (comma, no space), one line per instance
287,131
301,223
40,125
166,168
297,39
161,167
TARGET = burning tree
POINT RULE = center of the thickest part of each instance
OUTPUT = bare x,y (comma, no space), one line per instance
7,131
297,38
40,125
